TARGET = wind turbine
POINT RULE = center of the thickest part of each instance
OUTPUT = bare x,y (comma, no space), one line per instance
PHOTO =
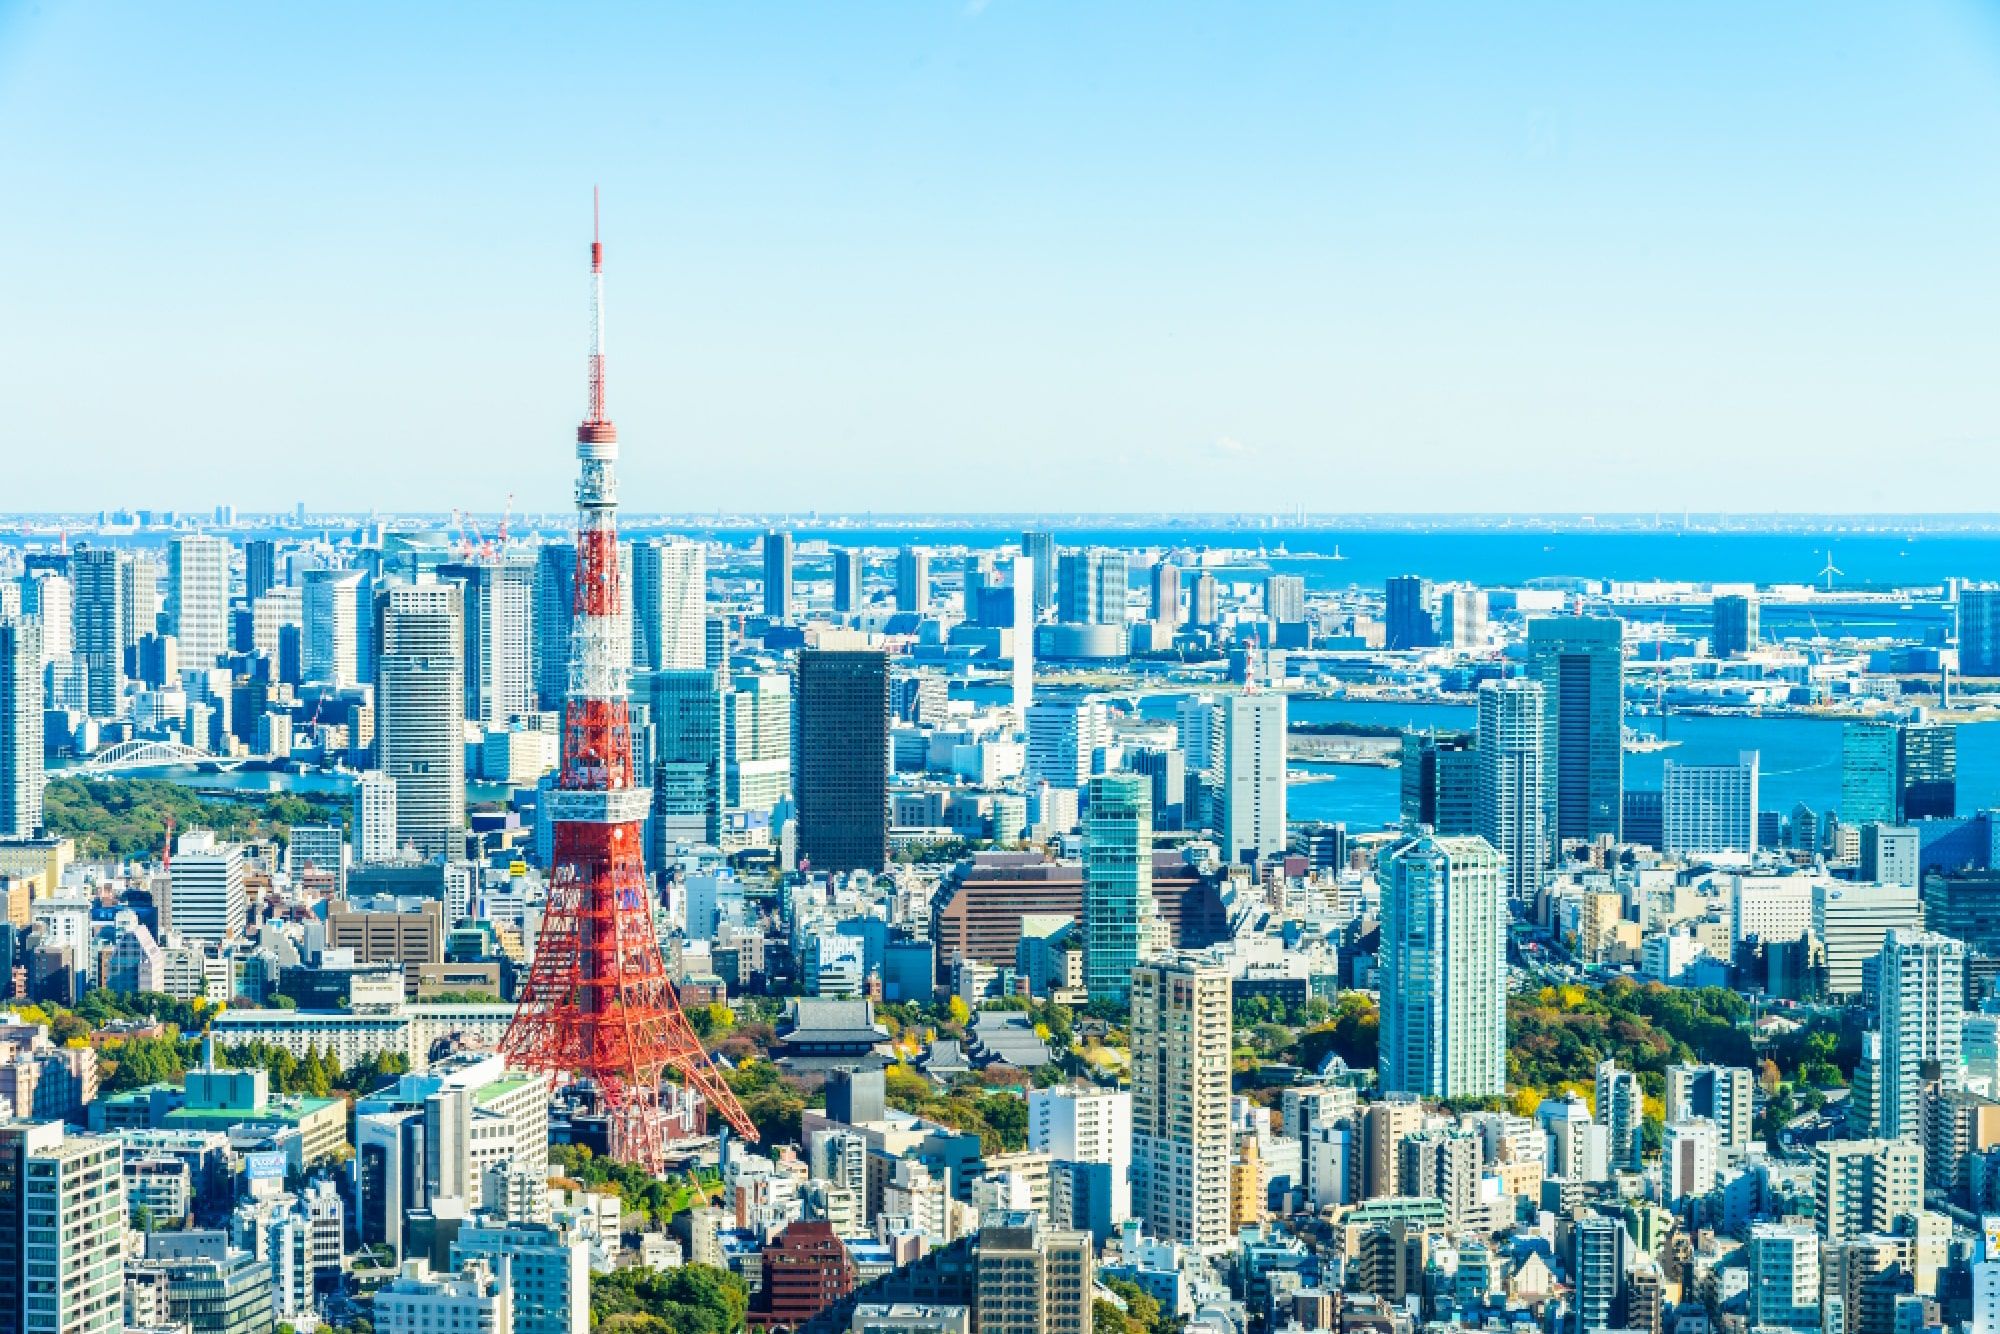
1830,571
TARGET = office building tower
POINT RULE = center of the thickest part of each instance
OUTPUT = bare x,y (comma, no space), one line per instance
779,599
1032,1279
139,584
419,712
100,577
497,611
1580,661
1862,1186
913,580
62,1231
1409,617
331,607
1868,772
51,599
1166,594
759,741
1919,1008
1462,617
260,567
1784,1293
1851,921
1979,630
374,819
1735,632
1205,601
555,599
1513,781
1091,587
1040,547
842,758
1285,598
1893,855
1181,1149
1118,913
1066,736
1021,643
1620,1110
1442,962
1440,783
206,896
1719,1093
1709,808
280,612
198,597
669,605
687,707
20,727
1927,771
1086,1124
1597,1271
849,568
1253,776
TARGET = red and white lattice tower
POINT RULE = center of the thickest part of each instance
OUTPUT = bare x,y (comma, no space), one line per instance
597,1003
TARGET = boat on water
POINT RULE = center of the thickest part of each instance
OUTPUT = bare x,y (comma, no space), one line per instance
1638,743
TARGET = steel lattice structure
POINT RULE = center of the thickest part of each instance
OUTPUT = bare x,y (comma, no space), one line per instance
597,1003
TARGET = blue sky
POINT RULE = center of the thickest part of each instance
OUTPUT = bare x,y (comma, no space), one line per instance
1349,256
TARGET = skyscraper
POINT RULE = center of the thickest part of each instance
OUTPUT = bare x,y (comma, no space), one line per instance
1979,630
330,607
1118,911
1021,642
1040,547
374,817
1205,601
1709,808
555,609
139,596
198,598
1181,1149
1620,1110
100,576
1166,600
842,761
1919,1008
419,712
849,569
1513,782
20,726
1462,617
1868,772
1091,587
498,614
913,579
1440,783
1065,734
1253,777
1443,969
686,704
50,598
1285,598
62,1231
1718,1093
1927,771
1597,1271
758,746
206,896
779,600
1735,632
1580,661
1409,619
669,604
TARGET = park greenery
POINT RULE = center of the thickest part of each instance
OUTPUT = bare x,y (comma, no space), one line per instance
639,1192
691,1299
1142,1313
127,817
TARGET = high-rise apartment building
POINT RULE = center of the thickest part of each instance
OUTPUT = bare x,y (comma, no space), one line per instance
1580,661
332,609
1709,808
1735,631
1409,615
1597,1272
1920,1005
1205,601
849,571
1118,911
1719,1093
779,598
1514,782
1285,598
1462,617
100,577
1442,963
1031,1279
1253,776
842,759
62,1231
1065,735
1022,639
1165,604
139,593
374,817
206,897
1086,1124
1865,1185
198,597
1181,1146
1620,1110
20,726
50,598
913,580
1784,1277
419,713
1092,587
669,605
1040,547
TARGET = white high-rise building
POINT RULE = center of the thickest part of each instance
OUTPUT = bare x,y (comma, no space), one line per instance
51,599
206,899
1513,782
273,610
70,1193
1181,1146
1086,1124
20,726
1865,1185
758,740
669,604
1784,1277
1064,738
1710,808
1023,638
498,615
374,817
1852,920
1689,1156
475,1300
1253,776
330,603
1722,1094
139,578
1776,909
198,598
419,712
1920,1006
1443,973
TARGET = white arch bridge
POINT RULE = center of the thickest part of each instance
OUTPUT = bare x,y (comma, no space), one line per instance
138,754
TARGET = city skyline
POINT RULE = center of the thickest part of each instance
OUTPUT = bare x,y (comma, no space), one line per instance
1570,261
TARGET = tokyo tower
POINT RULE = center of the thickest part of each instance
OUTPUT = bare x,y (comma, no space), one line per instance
597,1004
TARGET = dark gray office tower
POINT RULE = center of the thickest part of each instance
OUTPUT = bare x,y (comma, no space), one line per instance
1646,820
1580,661
99,617
260,567
716,641
841,765
1979,631
847,571
1927,768
778,596
555,608
1735,631
1040,547
1440,782
1409,616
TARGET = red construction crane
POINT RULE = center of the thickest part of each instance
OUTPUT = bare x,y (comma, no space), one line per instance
597,1003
